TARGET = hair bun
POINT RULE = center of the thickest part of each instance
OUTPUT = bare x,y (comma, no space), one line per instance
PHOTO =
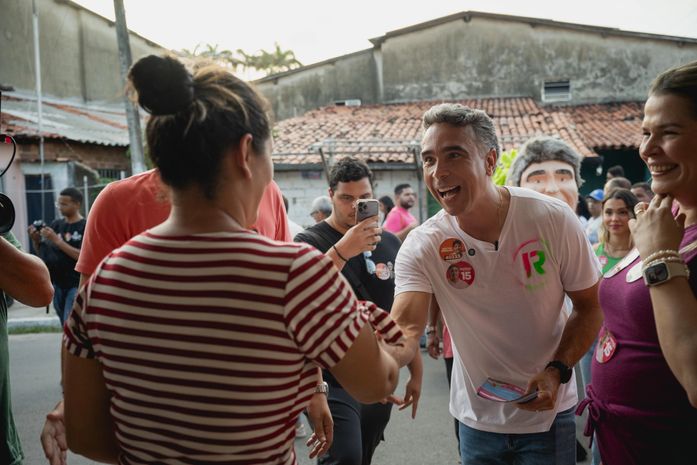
164,85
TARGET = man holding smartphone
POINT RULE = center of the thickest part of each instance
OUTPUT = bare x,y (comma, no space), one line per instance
365,255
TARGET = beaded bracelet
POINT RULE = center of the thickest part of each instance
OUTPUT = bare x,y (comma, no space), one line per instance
661,253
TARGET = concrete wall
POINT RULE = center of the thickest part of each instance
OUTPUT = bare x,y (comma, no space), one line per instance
349,77
79,53
485,56
301,191
494,57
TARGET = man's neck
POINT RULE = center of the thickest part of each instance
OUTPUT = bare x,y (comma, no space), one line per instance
484,221
331,221
72,218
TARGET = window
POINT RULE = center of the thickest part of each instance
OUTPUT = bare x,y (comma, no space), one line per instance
556,91
111,173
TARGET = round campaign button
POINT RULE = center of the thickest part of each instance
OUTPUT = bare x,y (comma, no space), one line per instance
382,271
460,275
607,345
452,249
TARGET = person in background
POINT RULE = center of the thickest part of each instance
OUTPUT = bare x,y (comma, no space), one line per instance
616,183
321,208
642,191
25,278
209,136
365,255
294,227
386,206
399,221
615,242
58,246
614,172
642,400
582,211
594,201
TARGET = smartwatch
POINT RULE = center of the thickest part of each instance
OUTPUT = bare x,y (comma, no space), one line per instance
661,271
564,371
322,388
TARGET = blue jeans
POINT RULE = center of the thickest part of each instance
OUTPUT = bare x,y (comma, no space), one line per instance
554,447
63,299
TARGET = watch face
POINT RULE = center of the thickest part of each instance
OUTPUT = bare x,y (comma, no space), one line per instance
656,273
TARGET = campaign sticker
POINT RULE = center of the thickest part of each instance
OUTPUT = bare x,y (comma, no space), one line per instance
382,271
607,344
603,260
452,249
460,275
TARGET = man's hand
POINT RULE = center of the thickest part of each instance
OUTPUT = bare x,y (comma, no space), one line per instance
433,346
322,424
412,394
546,384
50,234
362,237
53,438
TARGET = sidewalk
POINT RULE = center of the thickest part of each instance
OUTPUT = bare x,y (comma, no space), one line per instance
20,316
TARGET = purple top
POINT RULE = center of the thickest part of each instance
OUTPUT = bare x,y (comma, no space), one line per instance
636,382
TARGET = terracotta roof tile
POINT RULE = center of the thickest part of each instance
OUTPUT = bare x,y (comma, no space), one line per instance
383,133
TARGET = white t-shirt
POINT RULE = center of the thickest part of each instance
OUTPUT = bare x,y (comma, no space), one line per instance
504,308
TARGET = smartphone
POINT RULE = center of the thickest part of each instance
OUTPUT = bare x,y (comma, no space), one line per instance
365,208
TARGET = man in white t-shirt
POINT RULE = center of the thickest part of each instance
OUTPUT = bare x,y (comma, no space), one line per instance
502,294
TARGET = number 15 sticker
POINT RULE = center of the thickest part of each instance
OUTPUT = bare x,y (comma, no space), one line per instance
460,275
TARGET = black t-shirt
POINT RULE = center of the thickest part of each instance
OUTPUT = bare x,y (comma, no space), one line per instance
377,287
60,265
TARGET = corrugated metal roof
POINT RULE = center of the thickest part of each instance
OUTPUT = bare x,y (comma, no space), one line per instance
63,119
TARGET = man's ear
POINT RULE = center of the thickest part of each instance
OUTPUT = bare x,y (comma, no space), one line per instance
330,192
242,154
491,159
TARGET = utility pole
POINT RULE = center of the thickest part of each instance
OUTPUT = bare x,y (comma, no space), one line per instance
39,101
132,116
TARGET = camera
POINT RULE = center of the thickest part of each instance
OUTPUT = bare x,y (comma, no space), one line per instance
38,224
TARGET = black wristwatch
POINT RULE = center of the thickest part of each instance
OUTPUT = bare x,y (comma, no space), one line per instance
564,371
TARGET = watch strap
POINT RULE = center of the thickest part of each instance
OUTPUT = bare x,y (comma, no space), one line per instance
564,370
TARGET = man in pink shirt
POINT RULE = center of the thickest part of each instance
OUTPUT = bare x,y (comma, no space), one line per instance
399,221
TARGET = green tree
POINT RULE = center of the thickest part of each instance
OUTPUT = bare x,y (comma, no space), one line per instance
276,61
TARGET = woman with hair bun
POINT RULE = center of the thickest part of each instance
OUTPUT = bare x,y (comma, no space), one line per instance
643,396
198,340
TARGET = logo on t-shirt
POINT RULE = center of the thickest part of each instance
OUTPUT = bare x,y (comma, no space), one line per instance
530,259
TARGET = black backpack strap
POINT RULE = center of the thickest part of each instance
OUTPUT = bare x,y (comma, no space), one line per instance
347,271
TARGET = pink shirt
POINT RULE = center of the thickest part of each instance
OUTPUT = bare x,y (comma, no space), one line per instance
398,219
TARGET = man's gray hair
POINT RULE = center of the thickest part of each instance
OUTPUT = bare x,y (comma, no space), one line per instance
540,149
460,115
322,204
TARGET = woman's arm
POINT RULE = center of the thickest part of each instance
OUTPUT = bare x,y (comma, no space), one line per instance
24,276
88,425
674,303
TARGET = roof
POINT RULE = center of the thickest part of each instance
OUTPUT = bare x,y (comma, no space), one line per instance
386,133
63,119
468,15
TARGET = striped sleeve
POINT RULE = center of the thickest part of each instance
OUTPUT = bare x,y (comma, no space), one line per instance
322,314
382,322
75,330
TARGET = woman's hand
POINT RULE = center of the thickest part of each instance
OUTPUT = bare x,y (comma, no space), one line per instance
655,228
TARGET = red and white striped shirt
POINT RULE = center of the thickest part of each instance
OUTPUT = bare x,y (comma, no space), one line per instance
208,343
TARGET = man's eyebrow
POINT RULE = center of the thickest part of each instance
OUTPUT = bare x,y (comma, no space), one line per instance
563,171
449,148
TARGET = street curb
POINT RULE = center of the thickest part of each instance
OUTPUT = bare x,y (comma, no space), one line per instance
48,322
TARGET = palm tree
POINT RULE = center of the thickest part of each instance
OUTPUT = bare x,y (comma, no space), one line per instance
269,62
